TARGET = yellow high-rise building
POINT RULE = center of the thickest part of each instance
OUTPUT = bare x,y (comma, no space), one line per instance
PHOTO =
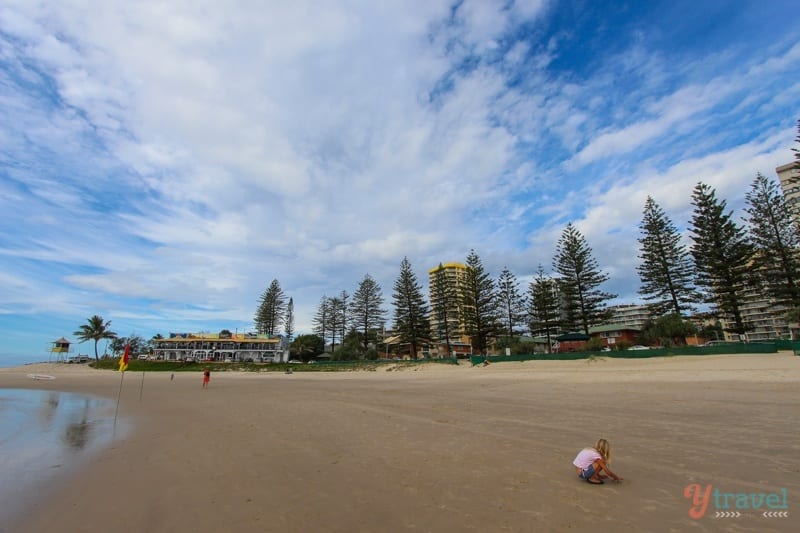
453,275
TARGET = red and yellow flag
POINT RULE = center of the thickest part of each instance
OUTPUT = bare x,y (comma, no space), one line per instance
123,362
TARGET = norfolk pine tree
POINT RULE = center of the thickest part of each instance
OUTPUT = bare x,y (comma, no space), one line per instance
336,318
411,316
445,301
270,314
510,302
584,304
344,314
666,268
796,176
722,255
366,310
479,304
543,306
320,321
288,321
774,236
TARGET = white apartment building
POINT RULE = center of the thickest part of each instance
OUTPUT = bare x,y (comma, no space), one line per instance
631,315
764,319
791,191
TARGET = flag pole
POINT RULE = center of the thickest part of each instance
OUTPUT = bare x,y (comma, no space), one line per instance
122,377
123,366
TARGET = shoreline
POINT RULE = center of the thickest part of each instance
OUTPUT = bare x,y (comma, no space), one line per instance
48,437
435,447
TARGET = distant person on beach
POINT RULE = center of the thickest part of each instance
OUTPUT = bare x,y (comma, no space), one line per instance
590,463
206,377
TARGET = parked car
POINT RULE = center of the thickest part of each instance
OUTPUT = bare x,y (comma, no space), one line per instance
718,343
639,347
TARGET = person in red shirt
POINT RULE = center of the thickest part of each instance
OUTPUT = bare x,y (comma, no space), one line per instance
206,377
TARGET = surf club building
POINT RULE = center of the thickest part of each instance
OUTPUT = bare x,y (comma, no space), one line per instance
220,347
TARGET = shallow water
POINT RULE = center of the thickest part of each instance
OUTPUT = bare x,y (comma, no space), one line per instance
45,436
10,361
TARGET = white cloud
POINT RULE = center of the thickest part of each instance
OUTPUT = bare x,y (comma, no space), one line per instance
193,151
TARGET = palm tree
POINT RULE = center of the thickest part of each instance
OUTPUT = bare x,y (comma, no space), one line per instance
96,329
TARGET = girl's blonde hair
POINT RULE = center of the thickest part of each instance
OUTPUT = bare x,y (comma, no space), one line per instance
603,448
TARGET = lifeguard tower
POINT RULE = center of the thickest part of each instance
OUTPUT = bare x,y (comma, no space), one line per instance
61,349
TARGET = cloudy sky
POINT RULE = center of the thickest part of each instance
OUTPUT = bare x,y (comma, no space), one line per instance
162,162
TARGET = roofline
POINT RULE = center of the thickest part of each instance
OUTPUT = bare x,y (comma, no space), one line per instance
452,264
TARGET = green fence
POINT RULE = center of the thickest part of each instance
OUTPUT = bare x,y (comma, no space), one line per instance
733,348
788,345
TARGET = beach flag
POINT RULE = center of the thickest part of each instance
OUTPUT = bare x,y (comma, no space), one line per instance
123,362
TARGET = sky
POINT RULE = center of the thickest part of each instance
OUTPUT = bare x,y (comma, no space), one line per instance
162,162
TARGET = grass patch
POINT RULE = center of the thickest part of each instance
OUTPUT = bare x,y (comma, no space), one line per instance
139,365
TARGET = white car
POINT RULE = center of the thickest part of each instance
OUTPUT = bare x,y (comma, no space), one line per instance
718,343
638,347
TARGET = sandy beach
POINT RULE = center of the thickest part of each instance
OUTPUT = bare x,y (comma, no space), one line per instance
437,448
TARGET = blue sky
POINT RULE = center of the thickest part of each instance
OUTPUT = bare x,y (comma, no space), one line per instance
162,162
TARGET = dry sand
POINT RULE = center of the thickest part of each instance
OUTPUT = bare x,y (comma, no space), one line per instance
438,448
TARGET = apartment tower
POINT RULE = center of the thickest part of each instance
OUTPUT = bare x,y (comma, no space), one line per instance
446,318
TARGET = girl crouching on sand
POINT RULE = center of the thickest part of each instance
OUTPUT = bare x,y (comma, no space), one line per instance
590,463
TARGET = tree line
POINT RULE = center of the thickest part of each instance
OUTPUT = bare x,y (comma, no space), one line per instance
727,263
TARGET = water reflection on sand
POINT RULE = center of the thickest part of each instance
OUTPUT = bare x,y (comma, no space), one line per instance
44,436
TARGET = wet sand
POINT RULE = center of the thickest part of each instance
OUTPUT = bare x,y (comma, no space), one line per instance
439,448
46,436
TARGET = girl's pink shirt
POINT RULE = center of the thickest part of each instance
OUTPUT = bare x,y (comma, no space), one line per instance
586,457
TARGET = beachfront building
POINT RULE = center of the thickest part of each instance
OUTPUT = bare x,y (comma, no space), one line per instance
613,334
631,315
571,342
540,343
789,177
454,275
763,318
221,347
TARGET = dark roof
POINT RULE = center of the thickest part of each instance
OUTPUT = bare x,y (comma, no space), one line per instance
573,337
